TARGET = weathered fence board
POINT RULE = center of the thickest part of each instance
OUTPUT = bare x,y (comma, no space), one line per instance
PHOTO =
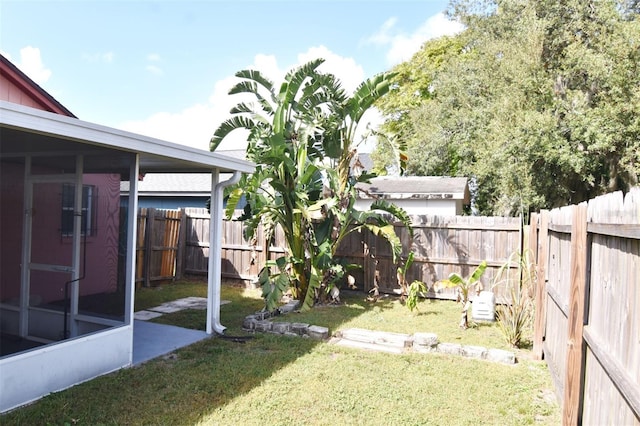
442,245
197,241
591,322
158,235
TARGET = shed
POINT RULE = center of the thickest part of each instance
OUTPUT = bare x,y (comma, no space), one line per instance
67,246
417,195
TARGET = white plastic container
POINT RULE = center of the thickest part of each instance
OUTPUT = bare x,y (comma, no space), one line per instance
483,307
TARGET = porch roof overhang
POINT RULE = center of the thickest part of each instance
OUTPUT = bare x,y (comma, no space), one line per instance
56,138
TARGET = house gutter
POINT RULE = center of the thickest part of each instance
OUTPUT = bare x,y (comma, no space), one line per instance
215,250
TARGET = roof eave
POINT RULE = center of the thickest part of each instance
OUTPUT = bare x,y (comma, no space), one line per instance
50,124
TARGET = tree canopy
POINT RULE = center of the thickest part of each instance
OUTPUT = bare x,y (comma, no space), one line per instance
538,101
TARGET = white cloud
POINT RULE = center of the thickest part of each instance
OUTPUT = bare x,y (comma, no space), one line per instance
402,45
346,69
31,64
105,57
154,69
383,36
195,125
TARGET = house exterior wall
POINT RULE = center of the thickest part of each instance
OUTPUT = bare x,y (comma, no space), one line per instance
420,206
49,245
9,92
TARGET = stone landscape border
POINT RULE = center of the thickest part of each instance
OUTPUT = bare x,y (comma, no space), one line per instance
370,339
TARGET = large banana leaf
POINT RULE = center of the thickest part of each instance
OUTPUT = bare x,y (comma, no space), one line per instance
258,77
228,126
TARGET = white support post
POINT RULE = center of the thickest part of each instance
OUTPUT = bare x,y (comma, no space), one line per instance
132,236
74,295
132,228
25,272
215,251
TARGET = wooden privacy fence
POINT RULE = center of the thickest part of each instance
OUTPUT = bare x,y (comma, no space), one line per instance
157,245
173,243
441,244
587,320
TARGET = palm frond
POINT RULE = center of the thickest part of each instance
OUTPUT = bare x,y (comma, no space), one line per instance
244,87
367,93
290,88
228,126
235,195
398,212
242,108
257,76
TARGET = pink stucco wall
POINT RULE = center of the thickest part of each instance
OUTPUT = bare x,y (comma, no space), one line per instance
49,246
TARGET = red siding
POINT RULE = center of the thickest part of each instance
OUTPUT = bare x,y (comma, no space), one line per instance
17,88
11,93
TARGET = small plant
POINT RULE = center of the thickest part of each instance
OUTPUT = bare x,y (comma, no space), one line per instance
514,318
401,276
464,285
413,293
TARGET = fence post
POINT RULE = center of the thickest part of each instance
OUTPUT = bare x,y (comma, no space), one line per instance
182,244
532,238
573,384
541,288
148,243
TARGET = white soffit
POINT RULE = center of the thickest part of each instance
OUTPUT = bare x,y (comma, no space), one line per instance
155,154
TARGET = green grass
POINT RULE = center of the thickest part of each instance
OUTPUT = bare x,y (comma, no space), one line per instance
282,380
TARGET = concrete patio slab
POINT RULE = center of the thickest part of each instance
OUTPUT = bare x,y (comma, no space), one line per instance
152,340
146,315
184,303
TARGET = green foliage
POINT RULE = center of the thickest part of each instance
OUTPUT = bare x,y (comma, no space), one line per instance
518,275
274,285
464,285
302,138
538,101
415,289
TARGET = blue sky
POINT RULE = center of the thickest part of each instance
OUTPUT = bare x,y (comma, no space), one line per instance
163,68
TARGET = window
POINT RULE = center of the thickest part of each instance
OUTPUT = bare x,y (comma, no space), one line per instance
88,209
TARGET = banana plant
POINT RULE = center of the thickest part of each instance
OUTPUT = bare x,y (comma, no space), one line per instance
401,276
464,285
301,136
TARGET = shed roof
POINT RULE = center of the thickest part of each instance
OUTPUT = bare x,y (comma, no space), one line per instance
425,187
172,184
45,135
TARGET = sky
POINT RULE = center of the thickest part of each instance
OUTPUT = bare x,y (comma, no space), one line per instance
164,68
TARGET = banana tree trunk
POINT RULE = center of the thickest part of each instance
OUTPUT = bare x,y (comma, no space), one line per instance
464,319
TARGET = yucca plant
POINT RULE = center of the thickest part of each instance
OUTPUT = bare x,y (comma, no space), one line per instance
514,318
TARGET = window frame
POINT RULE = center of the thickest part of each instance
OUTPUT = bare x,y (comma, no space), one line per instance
88,209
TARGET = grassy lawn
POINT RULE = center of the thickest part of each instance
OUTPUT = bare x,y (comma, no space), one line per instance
283,380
